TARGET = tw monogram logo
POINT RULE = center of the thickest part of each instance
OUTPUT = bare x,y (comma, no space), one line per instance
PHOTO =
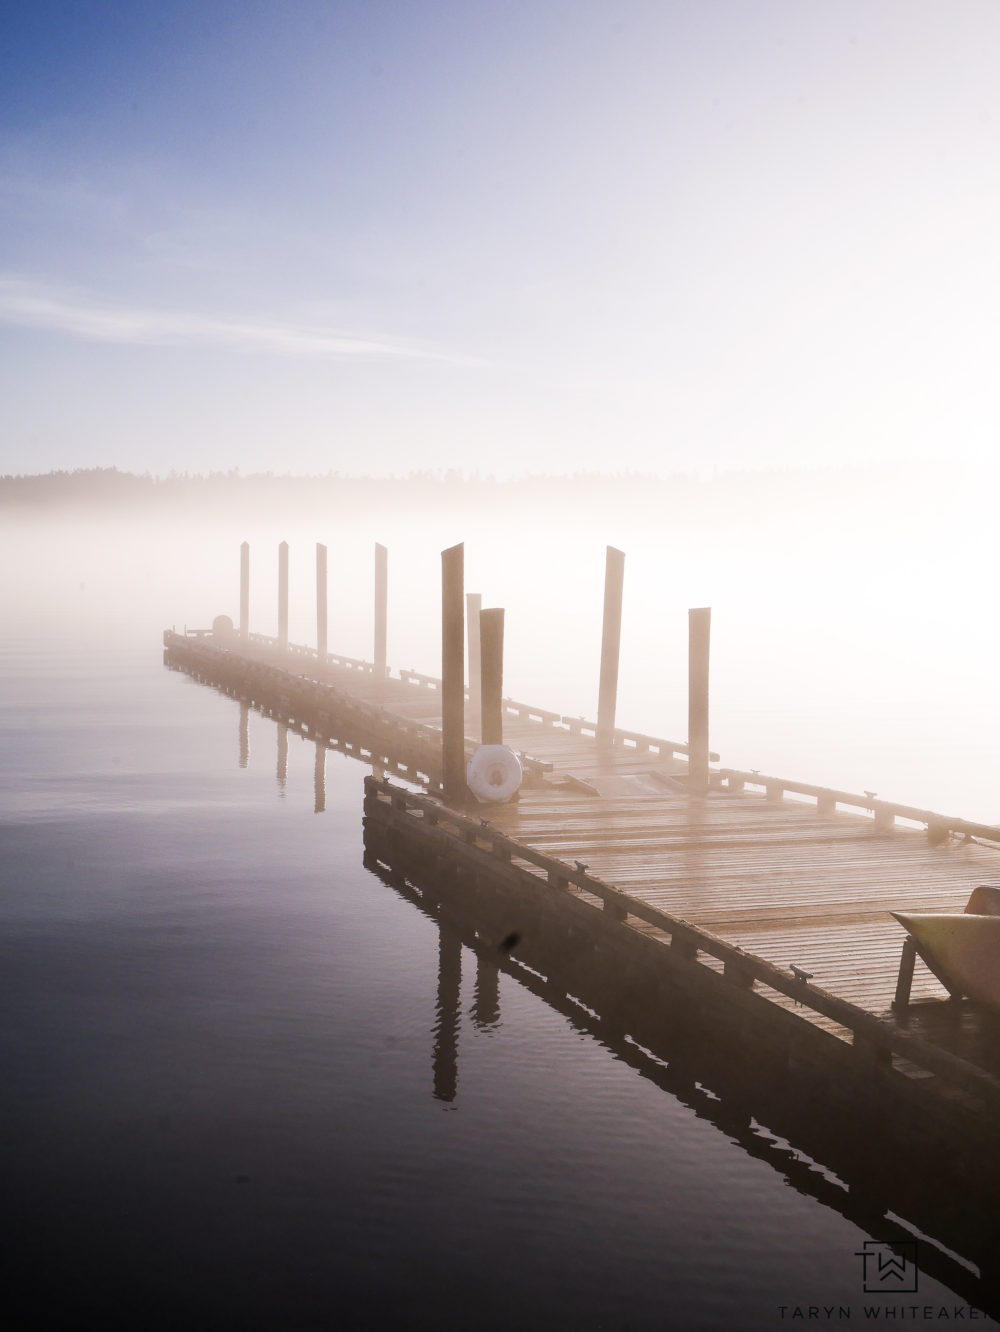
889,1266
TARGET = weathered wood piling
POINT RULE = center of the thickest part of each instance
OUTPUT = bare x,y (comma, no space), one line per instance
611,637
381,610
491,674
245,590
453,673
699,629
473,608
283,593
321,600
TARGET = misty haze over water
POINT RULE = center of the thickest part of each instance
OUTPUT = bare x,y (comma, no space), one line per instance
221,1102
852,638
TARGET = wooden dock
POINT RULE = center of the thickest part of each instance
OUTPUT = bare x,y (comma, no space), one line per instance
772,881
765,900
688,914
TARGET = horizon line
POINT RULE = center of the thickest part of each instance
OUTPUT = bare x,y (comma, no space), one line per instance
447,475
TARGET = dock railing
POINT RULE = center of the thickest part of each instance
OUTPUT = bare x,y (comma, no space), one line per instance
939,826
302,696
636,740
311,654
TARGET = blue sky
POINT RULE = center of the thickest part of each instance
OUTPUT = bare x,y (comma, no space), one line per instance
525,236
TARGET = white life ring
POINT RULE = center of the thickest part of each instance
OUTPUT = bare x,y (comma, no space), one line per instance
494,773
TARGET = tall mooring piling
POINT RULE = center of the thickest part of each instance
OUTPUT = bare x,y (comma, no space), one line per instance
474,606
611,637
491,675
381,611
245,590
453,673
283,594
699,630
321,600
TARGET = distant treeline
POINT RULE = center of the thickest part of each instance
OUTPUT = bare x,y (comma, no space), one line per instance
733,498
101,486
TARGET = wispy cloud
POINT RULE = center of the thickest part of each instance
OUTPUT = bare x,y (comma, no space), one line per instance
29,304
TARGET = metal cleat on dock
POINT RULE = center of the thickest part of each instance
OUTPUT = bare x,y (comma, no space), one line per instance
803,977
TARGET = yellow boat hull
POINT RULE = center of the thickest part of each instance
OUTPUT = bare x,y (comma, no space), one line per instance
962,950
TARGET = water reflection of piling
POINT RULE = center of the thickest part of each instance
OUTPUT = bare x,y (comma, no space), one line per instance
486,1004
244,733
447,1016
282,770
319,778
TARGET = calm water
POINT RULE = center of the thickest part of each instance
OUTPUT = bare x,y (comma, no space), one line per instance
219,1101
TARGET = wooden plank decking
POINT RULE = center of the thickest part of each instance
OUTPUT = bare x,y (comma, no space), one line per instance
784,883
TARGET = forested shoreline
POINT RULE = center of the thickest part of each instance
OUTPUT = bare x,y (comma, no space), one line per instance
669,499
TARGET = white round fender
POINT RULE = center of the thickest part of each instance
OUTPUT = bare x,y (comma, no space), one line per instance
494,773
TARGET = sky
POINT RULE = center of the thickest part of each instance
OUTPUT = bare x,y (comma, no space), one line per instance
505,237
